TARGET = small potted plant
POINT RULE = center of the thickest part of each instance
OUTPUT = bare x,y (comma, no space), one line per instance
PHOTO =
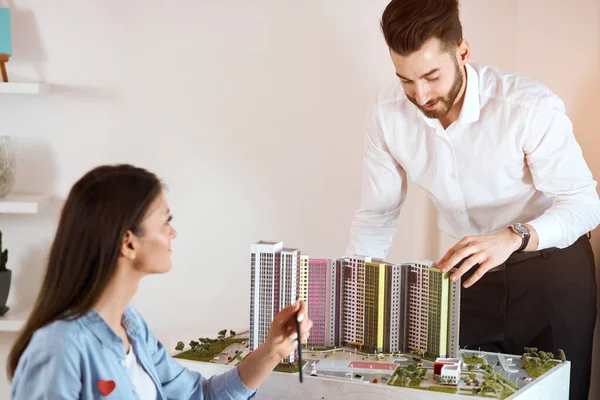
5,276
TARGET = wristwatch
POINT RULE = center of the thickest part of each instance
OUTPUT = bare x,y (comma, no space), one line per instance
521,230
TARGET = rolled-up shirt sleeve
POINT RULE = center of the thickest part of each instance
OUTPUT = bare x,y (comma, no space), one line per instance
384,189
559,171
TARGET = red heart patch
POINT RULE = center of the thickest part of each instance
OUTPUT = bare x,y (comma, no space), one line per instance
106,387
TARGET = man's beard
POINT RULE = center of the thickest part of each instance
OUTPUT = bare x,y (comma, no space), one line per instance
446,102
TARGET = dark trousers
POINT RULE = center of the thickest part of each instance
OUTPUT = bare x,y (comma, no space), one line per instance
544,299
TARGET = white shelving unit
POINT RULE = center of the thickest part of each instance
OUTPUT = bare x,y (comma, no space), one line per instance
23,87
22,203
14,319
19,203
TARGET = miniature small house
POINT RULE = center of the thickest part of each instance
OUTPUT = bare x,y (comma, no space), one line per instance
446,371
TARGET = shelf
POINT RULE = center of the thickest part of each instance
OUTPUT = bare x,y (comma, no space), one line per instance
14,319
23,87
22,203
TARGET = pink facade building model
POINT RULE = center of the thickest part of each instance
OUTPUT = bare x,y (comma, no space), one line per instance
357,301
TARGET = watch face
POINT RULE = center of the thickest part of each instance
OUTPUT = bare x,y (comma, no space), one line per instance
522,229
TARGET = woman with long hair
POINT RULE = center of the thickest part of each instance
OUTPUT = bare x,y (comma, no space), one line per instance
82,340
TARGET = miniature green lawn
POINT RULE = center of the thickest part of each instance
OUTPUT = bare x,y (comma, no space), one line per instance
200,354
538,370
506,381
473,360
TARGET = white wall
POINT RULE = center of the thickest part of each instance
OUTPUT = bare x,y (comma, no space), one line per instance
252,112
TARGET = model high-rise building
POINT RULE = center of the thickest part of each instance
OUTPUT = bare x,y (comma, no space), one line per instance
335,299
374,304
317,306
322,297
303,277
274,284
353,301
374,309
434,307
357,301
396,299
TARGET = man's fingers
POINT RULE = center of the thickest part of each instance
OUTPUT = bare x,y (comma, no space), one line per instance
485,267
448,260
467,265
458,256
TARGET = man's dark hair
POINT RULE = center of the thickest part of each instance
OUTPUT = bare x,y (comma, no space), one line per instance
408,24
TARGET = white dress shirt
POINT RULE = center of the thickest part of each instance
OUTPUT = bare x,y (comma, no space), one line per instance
510,157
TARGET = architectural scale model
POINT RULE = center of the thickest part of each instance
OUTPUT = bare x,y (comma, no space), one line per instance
381,322
377,322
366,303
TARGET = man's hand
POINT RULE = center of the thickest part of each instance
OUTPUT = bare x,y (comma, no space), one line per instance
488,251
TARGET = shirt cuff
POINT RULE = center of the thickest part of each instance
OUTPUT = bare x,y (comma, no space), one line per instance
236,387
549,231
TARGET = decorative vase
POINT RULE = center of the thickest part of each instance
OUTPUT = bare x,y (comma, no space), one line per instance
7,166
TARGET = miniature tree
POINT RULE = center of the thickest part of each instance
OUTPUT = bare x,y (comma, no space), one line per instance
222,333
206,340
530,352
3,256
545,356
193,345
179,346
561,355
417,351
232,333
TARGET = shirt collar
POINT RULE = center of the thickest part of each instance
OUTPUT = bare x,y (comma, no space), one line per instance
471,105
105,334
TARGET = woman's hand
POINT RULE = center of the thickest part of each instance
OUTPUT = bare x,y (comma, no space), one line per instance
282,338
281,341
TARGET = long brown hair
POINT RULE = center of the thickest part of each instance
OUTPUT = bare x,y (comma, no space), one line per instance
101,207
407,24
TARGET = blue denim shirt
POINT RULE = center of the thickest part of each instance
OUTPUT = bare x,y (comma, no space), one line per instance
69,358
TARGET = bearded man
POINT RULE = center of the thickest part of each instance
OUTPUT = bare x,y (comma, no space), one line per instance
496,153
